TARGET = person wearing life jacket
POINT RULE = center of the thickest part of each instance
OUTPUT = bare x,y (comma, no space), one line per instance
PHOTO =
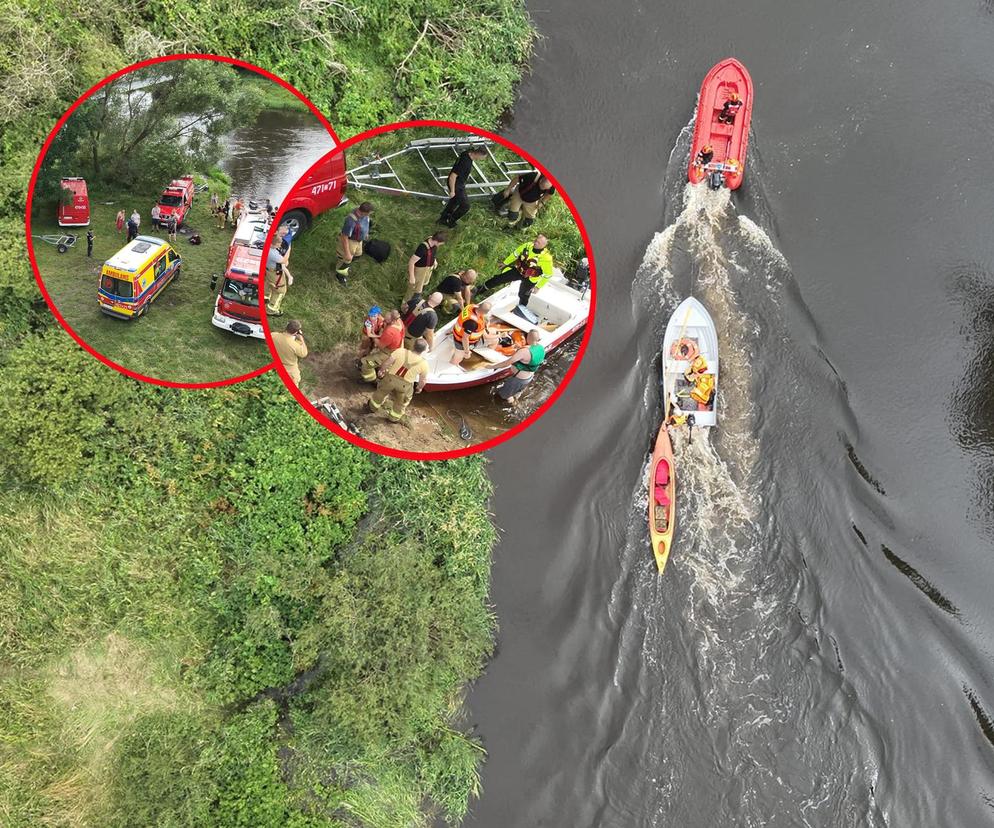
703,391
704,156
385,343
676,416
402,376
697,367
730,109
458,204
355,230
531,264
421,321
524,363
470,328
526,193
423,263
372,326
457,289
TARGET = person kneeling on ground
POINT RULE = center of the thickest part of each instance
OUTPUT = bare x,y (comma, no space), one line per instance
524,363
526,193
389,340
470,328
402,376
372,326
291,348
421,321
457,290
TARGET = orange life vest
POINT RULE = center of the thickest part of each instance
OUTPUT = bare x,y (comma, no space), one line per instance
701,392
467,313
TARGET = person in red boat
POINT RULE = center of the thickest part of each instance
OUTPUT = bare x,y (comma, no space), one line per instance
730,109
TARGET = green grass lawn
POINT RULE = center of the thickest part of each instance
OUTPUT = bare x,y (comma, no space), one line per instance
176,340
332,314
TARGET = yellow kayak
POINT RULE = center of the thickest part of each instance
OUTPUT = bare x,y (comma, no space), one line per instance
662,498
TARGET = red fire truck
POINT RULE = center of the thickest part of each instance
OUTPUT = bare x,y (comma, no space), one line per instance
74,205
323,188
176,199
236,309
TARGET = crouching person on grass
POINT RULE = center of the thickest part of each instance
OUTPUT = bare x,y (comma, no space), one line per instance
402,376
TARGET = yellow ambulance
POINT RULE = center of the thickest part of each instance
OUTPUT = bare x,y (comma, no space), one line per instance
132,278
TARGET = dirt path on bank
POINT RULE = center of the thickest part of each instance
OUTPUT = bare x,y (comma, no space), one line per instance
333,374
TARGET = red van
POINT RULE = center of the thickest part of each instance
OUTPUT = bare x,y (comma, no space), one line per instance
236,308
323,188
176,199
74,205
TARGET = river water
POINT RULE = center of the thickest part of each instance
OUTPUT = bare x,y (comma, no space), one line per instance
266,159
819,651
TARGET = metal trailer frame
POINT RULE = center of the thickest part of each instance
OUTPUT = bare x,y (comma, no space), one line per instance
367,176
62,241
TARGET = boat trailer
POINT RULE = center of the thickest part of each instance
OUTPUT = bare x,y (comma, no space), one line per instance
490,175
61,242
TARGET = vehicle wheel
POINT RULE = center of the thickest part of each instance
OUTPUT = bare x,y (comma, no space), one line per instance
176,277
63,248
298,221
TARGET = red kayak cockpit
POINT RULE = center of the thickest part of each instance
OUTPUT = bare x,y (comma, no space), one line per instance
721,132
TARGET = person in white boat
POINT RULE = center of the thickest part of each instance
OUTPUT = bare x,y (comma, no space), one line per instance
524,363
471,327
421,321
531,263
456,289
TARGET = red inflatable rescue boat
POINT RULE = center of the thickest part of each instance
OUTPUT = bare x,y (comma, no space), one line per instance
724,110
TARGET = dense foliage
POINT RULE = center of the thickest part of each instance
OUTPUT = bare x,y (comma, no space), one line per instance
212,613
280,624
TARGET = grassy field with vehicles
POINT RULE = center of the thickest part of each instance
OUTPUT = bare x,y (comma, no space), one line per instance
176,340
211,612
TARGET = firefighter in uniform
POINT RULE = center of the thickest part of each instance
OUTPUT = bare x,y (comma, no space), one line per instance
355,230
730,109
400,378
531,264
423,263
291,348
526,193
278,279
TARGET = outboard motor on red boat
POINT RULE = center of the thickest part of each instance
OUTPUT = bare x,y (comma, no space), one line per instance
716,179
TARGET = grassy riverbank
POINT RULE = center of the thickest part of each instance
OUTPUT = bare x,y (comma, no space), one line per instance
212,613
176,340
333,314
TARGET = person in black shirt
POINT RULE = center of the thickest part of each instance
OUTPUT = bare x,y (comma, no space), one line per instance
423,263
89,243
458,204
527,192
730,109
704,156
422,320
457,289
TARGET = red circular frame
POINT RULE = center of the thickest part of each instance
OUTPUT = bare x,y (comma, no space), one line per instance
535,415
34,177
